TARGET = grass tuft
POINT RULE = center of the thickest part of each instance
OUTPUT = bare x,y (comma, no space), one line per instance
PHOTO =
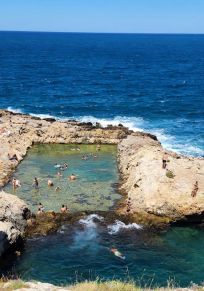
170,174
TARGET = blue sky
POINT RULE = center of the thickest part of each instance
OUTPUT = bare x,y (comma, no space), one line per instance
163,16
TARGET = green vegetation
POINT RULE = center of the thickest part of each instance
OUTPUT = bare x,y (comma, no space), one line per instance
112,286
170,174
9,285
12,285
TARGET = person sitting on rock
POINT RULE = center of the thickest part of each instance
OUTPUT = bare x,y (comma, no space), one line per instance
41,207
64,209
50,183
12,157
72,177
164,160
40,211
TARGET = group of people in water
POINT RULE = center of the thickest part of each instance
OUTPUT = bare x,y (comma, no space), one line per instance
60,168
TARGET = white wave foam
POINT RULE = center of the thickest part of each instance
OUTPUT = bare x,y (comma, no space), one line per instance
169,142
133,123
88,236
119,225
14,110
89,221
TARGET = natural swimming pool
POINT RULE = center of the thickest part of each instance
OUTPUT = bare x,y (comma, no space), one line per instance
81,251
93,189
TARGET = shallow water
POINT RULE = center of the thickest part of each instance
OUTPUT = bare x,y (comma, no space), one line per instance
82,251
93,190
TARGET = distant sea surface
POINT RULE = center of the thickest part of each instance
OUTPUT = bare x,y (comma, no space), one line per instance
148,82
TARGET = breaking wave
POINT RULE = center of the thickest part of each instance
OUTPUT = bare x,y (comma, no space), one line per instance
90,220
170,142
119,225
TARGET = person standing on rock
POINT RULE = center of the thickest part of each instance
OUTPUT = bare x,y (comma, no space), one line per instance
164,160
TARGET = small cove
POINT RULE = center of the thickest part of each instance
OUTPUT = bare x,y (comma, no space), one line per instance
81,251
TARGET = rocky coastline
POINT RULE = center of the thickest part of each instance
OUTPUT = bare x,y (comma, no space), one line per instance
156,196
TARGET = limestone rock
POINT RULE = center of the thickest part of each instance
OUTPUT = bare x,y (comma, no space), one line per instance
13,214
151,188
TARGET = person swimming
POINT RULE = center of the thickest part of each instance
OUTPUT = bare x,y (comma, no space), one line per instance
59,174
50,183
16,183
57,188
36,183
117,253
72,177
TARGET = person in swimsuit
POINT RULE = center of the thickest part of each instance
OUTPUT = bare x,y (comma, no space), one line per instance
64,209
164,160
36,183
50,183
72,177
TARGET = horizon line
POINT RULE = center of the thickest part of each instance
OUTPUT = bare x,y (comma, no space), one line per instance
91,32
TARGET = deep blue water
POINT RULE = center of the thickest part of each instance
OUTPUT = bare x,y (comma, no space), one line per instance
151,82
82,252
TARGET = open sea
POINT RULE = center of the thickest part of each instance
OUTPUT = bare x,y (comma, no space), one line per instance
148,82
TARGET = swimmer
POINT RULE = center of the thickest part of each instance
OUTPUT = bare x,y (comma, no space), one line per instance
57,188
50,183
36,183
16,183
59,174
98,147
65,165
72,177
117,253
84,157
64,208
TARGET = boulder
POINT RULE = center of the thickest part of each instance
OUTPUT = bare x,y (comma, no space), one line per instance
176,191
13,215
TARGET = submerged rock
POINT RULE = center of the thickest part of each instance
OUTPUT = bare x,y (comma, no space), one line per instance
13,215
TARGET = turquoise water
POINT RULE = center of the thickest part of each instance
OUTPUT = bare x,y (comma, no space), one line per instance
81,251
93,189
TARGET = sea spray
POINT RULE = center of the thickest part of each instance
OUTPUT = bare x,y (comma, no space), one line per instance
118,225
86,237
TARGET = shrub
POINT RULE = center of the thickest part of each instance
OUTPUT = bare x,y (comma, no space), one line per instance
170,174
